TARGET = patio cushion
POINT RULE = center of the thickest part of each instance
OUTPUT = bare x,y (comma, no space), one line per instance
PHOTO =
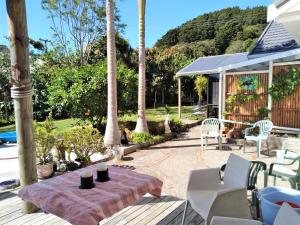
283,171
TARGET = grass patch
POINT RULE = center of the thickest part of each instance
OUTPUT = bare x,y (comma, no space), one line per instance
65,124
159,114
152,115
8,128
60,125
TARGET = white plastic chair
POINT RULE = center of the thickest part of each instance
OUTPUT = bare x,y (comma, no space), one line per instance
209,196
287,216
219,220
264,129
211,128
283,170
290,150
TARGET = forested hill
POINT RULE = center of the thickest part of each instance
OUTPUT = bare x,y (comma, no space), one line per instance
225,31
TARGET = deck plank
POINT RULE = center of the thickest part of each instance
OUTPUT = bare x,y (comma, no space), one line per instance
130,215
147,211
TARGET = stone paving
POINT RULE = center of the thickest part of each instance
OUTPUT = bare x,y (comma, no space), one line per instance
8,162
172,161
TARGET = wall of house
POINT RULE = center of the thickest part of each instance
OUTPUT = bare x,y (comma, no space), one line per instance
285,113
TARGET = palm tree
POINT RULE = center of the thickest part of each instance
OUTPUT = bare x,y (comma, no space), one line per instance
112,136
141,125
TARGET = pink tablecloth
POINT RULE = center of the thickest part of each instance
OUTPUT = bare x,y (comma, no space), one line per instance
62,197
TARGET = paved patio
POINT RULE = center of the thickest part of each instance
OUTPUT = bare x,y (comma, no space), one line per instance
171,162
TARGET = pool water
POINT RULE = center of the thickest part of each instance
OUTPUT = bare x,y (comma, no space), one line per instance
8,137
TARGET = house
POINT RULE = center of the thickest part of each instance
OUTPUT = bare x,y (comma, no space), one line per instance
239,83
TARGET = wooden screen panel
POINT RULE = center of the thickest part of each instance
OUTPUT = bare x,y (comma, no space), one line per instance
247,112
286,113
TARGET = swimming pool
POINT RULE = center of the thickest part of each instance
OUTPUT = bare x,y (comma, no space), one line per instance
8,137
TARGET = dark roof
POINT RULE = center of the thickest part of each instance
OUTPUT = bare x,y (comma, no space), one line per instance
275,38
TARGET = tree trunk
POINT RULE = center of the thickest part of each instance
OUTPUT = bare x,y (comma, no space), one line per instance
141,125
112,135
162,97
155,95
21,92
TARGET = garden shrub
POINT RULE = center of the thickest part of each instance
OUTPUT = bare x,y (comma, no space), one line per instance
44,140
84,142
142,137
177,126
156,128
156,139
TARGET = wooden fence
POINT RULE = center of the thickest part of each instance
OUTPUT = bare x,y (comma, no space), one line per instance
285,113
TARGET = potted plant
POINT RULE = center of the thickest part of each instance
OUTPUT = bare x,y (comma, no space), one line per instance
83,142
45,140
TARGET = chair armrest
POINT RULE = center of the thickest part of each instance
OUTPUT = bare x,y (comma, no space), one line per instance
204,179
219,220
247,130
230,203
281,164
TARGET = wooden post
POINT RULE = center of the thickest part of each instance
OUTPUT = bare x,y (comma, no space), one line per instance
179,97
270,81
223,93
220,95
21,92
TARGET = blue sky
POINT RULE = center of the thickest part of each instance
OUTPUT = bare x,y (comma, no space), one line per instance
161,15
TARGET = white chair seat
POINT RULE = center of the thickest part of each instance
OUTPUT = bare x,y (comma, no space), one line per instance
218,220
287,216
211,134
291,155
199,201
283,171
255,138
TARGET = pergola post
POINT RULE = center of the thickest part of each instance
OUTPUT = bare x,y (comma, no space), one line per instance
179,97
223,93
221,80
21,92
270,81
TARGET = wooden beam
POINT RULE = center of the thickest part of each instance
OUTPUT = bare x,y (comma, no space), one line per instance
21,92
287,63
247,72
179,97
270,82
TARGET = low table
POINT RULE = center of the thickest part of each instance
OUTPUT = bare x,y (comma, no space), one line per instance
62,197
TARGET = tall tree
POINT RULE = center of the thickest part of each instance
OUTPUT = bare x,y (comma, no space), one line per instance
21,92
112,135
76,25
141,125
6,107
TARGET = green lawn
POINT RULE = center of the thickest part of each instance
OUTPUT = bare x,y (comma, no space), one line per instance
8,128
151,114
160,113
60,125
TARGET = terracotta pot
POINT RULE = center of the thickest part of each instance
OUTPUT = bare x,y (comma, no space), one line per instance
45,171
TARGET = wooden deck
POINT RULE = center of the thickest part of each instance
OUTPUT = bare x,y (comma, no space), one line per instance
149,210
